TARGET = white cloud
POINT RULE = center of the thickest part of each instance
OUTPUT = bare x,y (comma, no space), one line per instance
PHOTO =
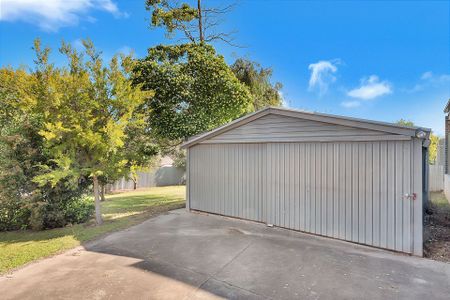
78,45
428,79
351,104
50,15
284,101
125,50
371,88
322,75
426,75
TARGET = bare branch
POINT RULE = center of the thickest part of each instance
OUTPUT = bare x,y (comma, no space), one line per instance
224,37
198,26
220,10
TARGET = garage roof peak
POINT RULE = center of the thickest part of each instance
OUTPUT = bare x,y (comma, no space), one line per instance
391,128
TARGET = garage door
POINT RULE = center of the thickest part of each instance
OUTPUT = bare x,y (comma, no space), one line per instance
353,191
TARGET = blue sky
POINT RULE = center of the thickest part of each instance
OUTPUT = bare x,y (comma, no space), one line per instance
376,60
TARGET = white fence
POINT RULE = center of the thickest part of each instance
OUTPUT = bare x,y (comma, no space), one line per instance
436,178
163,176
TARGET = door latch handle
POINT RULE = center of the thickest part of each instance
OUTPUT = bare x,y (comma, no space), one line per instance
412,196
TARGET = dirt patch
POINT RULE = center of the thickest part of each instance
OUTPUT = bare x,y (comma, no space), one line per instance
437,229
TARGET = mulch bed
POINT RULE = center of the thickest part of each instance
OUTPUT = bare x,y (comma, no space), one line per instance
437,232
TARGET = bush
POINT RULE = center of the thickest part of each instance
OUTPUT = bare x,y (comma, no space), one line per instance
46,207
13,215
44,215
79,211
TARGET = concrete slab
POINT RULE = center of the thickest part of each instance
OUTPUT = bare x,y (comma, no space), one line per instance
184,255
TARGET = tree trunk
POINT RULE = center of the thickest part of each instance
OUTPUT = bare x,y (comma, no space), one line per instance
200,24
134,184
98,213
102,192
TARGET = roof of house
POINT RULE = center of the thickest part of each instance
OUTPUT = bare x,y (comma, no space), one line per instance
314,116
447,107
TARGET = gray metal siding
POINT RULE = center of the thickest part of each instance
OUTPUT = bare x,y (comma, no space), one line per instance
281,128
226,179
347,190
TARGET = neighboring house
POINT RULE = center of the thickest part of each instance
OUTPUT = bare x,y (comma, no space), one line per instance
447,152
356,180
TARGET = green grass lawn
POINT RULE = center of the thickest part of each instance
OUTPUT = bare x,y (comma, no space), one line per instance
119,212
438,199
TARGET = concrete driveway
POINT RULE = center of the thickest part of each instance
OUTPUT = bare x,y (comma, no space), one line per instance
195,256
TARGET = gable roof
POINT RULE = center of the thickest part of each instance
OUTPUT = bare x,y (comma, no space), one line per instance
313,116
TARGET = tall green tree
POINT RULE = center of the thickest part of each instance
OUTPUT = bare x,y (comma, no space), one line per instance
23,107
257,79
194,90
85,128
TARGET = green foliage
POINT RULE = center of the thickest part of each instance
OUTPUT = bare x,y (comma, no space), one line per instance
434,141
60,127
405,122
13,214
257,79
179,158
173,17
53,207
79,211
194,88
85,126
22,203
140,150
432,149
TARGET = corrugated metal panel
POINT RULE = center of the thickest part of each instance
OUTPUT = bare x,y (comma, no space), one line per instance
227,180
276,127
348,190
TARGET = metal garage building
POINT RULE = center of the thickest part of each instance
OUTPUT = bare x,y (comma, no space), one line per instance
351,179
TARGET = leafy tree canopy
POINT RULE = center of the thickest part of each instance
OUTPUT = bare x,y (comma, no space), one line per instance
194,90
405,122
23,203
88,110
257,79
172,16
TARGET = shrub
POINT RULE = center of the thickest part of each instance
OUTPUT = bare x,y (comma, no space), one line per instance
13,215
44,207
41,215
79,211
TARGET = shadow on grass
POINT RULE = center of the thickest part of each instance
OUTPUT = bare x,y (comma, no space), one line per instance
89,230
119,212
